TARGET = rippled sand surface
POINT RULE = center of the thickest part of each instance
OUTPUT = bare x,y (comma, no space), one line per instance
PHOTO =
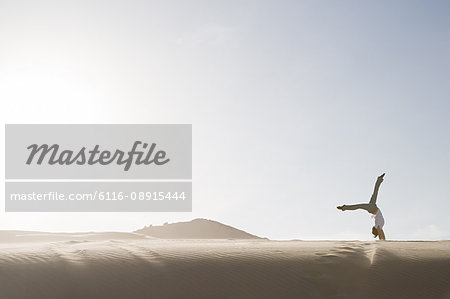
125,265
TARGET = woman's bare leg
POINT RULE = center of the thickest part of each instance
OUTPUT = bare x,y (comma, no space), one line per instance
373,199
363,206
370,207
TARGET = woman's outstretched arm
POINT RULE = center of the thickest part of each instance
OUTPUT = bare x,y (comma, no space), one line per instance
381,235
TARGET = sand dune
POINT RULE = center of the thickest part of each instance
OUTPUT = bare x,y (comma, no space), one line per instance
137,267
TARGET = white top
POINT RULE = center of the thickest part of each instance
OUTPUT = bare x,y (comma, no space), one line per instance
379,219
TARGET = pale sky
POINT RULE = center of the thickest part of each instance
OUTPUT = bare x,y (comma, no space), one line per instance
296,106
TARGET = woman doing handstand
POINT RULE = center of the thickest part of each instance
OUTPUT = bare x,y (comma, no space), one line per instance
371,207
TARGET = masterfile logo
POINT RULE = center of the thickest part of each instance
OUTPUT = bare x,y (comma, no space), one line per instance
71,168
91,157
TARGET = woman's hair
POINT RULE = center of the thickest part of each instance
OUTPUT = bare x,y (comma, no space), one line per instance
374,232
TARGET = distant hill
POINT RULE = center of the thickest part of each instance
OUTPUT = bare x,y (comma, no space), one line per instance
195,229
